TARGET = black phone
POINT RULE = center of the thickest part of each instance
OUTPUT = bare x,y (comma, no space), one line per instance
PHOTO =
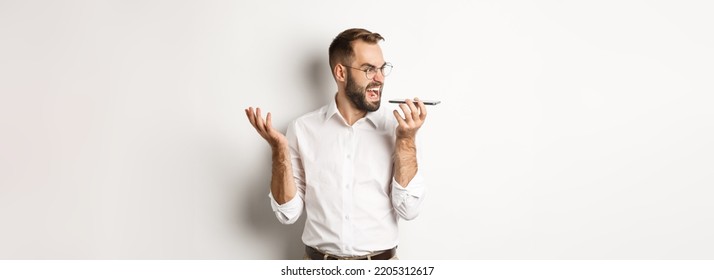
426,102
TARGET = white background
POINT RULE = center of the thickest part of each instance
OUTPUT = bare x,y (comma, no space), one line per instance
566,131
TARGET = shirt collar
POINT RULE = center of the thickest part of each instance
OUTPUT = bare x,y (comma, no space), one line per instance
331,109
372,117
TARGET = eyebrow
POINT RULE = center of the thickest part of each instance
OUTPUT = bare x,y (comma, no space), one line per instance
370,65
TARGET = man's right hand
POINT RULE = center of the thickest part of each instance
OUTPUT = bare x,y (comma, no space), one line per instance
265,128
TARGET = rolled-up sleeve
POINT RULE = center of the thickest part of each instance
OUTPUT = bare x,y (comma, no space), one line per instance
407,200
289,212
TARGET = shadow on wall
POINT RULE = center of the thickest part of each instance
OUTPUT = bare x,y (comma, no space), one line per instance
256,203
321,84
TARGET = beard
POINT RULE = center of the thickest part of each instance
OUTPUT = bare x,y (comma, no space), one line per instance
358,95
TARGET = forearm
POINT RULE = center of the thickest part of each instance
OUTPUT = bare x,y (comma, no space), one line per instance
405,161
282,185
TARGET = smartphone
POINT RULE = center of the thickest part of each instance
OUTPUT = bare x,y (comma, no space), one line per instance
426,102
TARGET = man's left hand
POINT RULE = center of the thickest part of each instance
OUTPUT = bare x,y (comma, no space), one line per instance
414,116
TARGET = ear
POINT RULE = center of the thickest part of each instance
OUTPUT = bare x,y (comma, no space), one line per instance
339,72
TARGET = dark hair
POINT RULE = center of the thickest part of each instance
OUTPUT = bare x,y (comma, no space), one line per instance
341,48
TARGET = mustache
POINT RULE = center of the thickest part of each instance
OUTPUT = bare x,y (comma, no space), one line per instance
375,84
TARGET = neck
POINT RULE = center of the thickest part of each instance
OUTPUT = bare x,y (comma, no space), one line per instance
347,109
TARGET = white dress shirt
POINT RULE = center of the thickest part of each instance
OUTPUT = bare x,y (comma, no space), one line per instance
345,182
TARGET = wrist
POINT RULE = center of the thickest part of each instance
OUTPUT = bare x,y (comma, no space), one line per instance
405,139
279,150
277,144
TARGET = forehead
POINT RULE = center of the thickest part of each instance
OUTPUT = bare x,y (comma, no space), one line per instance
366,53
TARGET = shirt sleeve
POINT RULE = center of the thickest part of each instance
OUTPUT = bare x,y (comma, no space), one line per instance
290,211
407,200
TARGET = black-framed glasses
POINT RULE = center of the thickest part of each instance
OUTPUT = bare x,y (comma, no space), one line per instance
371,71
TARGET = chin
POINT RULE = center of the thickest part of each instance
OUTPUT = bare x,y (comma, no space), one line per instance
374,106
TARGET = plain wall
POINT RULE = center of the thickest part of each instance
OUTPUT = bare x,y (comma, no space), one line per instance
567,129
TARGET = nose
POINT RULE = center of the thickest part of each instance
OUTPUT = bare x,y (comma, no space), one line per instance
378,77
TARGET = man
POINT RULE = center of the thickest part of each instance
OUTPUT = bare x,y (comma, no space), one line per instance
350,166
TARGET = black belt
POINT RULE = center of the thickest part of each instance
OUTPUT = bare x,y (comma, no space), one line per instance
315,254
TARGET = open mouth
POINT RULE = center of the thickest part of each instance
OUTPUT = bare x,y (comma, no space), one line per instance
373,93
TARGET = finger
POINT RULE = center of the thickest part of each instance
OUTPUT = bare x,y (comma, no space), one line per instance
268,122
413,108
259,121
407,113
422,110
399,118
251,116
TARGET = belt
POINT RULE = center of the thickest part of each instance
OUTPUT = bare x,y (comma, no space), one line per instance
315,254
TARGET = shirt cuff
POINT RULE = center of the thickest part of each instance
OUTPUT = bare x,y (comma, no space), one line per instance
287,210
415,187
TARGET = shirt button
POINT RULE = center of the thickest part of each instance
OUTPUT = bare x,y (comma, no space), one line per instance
349,156
347,217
